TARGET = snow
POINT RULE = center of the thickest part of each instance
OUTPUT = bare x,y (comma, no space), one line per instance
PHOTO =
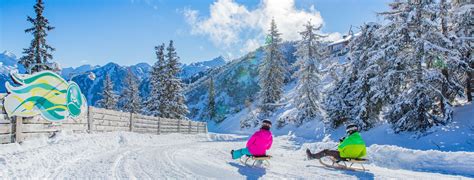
127,155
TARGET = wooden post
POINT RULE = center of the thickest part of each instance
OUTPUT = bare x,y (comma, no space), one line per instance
197,127
205,128
131,122
18,131
179,125
90,120
189,129
159,125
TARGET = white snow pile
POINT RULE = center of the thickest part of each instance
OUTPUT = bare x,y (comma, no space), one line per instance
431,161
124,155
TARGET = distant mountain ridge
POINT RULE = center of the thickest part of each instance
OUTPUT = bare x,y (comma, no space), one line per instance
92,89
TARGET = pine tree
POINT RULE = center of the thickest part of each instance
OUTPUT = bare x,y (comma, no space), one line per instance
272,71
211,102
415,45
109,98
460,25
356,97
130,97
309,55
39,51
173,92
365,68
155,103
337,104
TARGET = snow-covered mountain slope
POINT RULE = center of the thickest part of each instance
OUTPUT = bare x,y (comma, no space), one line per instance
92,89
190,70
8,62
124,155
69,72
236,84
8,59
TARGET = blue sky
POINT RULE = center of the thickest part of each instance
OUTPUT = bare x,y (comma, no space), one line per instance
125,31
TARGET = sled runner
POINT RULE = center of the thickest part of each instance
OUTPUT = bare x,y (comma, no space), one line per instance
345,164
256,160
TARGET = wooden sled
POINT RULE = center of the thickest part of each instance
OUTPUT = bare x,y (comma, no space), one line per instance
256,160
345,164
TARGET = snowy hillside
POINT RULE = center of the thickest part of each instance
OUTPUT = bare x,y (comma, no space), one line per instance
123,155
456,136
117,73
235,83
193,69
69,72
8,62
8,59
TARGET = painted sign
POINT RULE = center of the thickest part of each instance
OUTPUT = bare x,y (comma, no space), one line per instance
44,93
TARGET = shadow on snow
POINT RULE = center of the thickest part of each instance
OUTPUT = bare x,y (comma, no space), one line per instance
249,172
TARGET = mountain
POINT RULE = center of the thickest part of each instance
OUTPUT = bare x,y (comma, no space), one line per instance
8,59
69,72
236,84
92,88
193,69
8,62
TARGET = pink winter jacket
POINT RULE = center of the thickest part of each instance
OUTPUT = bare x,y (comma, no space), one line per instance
260,142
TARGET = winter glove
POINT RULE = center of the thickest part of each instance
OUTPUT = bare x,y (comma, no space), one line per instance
342,139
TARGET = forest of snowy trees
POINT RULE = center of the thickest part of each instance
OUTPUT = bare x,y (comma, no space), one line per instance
408,71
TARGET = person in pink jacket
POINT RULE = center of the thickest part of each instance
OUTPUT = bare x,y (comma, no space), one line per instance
258,144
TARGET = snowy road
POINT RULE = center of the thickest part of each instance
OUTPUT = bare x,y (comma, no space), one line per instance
130,156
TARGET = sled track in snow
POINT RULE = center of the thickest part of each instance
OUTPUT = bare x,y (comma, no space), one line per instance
175,157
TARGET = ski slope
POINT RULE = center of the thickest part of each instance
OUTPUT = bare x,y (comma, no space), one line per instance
123,155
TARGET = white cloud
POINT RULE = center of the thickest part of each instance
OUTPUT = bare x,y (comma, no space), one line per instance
231,24
250,45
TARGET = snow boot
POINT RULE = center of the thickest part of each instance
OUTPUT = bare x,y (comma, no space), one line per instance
309,155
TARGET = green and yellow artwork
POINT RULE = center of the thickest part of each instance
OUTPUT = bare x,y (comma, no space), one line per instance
44,93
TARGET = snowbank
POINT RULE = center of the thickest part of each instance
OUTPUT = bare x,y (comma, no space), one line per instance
394,157
459,163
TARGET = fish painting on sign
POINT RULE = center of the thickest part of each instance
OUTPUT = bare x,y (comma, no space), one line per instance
44,93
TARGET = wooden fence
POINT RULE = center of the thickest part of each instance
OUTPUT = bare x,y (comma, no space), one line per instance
18,129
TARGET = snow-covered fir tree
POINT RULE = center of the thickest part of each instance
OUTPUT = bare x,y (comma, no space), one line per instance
173,97
309,54
460,25
130,94
336,103
272,71
413,43
39,51
365,95
211,101
155,103
109,98
356,97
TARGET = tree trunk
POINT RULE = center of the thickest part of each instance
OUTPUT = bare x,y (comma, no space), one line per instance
469,85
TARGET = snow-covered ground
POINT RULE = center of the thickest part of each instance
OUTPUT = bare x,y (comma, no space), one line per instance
130,155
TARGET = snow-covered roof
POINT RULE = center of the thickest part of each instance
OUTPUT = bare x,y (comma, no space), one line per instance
347,38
